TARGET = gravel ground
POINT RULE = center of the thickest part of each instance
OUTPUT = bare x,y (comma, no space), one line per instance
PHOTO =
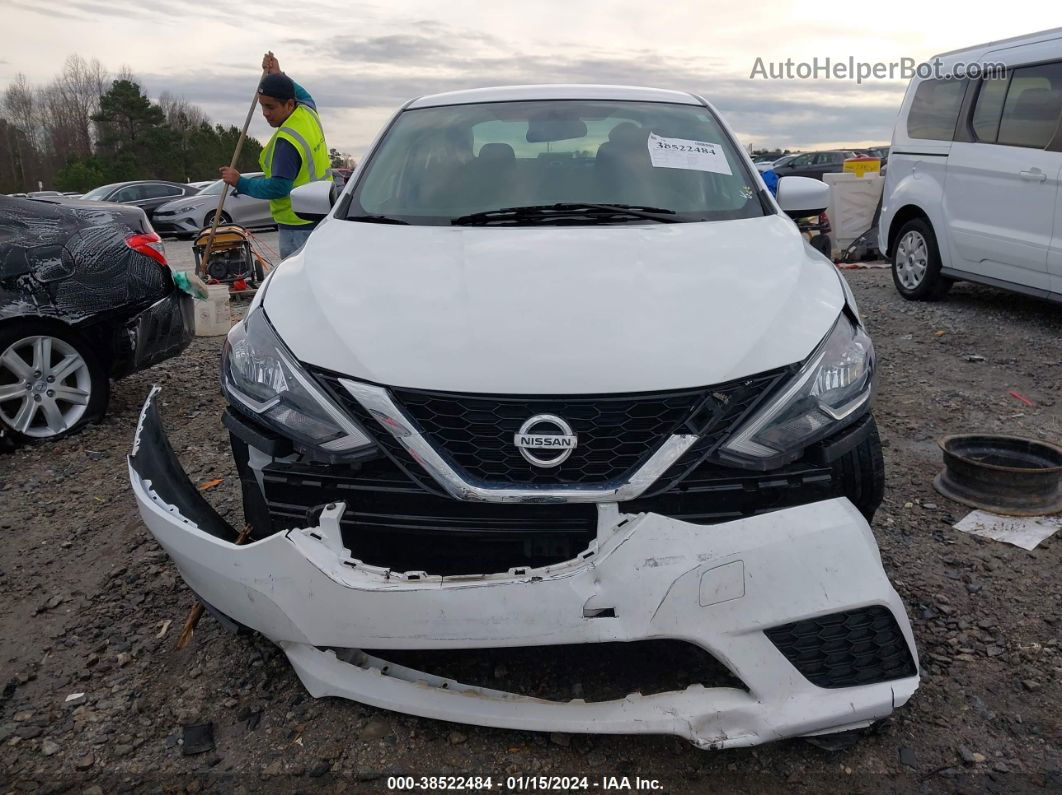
91,605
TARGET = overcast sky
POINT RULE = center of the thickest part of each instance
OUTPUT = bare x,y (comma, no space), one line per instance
362,60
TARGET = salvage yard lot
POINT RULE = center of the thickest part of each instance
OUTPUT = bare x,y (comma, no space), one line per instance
90,604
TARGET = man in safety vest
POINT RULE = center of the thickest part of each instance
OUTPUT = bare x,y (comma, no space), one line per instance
295,155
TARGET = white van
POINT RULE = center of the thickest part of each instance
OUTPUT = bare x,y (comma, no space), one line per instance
972,190
556,372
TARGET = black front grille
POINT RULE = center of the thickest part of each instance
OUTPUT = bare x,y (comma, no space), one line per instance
710,493
856,647
616,433
391,522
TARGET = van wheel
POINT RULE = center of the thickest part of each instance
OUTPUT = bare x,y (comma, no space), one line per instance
51,382
916,263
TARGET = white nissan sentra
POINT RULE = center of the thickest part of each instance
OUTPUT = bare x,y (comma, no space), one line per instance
556,376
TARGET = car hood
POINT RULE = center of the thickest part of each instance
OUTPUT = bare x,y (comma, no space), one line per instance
554,310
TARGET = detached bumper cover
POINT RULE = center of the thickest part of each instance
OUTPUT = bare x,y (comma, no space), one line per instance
720,587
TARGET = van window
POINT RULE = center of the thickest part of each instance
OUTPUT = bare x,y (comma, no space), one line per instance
935,108
1034,100
988,109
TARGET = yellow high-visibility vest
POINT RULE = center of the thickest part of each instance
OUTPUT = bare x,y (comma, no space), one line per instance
303,130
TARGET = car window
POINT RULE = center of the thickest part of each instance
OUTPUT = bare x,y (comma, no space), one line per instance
439,164
1031,110
98,194
988,108
214,188
157,191
130,193
934,109
801,161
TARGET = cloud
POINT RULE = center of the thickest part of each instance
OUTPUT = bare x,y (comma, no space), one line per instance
43,10
396,48
362,79
126,9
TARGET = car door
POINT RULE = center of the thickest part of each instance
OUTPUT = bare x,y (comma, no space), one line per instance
1001,188
1054,254
255,212
158,194
243,209
826,163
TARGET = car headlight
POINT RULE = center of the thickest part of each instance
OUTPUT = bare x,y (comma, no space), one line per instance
183,209
259,373
830,388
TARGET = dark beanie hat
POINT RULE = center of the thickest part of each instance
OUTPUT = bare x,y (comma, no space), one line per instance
277,86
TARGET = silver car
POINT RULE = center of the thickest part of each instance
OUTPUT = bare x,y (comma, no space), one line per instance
187,215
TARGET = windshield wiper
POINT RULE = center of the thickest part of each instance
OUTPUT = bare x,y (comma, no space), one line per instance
539,213
377,219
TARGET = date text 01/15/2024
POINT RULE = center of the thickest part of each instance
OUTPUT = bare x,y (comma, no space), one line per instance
523,783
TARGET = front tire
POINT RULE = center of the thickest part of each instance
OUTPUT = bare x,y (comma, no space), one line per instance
823,245
51,382
916,263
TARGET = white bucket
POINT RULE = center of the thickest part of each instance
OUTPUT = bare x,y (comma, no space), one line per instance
212,317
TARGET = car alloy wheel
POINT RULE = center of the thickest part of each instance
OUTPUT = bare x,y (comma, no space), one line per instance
45,386
912,259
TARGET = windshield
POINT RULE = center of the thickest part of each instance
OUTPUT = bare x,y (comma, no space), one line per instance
98,193
213,189
454,164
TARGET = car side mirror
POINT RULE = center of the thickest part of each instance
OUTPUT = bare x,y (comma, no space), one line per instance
313,200
800,197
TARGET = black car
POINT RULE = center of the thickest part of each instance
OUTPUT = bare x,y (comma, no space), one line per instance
86,295
147,194
815,164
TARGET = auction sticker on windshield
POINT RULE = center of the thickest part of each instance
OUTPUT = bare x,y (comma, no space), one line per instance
687,154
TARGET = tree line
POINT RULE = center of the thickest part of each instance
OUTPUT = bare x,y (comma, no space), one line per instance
87,128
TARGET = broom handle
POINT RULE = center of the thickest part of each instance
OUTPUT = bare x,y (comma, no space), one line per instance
225,191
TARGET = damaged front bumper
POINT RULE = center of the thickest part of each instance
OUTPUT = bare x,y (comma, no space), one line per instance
772,597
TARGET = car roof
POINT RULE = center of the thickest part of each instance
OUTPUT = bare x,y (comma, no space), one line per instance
242,174
149,182
553,91
1026,38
